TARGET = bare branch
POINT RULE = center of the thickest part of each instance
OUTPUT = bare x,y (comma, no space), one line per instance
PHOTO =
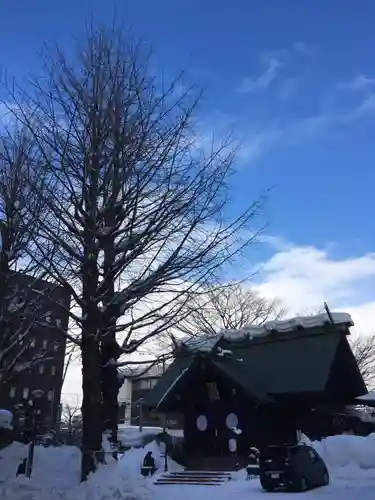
232,306
136,210
363,348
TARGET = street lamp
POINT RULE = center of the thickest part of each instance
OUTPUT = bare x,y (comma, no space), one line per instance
36,395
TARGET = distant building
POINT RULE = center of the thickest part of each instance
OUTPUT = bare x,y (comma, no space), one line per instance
46,374
134,391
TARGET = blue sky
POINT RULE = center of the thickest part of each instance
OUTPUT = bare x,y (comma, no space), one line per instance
296,80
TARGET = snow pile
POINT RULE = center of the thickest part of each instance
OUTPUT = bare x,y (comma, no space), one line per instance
10,457
207,342
55,471
56,475
347,451
351,461
120,480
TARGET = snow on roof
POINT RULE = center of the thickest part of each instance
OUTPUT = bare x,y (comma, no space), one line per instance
205,343
369,398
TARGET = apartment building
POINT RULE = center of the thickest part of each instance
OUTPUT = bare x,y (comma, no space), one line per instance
131,394
47,373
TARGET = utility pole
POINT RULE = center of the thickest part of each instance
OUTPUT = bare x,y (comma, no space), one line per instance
140,414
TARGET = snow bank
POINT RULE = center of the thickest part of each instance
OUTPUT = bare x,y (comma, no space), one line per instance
59,464
351,461
56,475
346,451
208,342
120,480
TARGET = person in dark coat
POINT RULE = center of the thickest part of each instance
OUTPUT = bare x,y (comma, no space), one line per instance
148,465
21,469
252,467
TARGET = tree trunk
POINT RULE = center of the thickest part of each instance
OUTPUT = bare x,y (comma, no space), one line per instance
91,407
110,385
110,350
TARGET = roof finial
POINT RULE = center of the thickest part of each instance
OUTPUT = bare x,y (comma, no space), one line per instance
328,313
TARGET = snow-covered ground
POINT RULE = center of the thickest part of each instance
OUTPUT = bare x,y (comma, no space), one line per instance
351,461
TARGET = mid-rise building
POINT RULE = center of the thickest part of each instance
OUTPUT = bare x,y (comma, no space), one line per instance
134,391
40,366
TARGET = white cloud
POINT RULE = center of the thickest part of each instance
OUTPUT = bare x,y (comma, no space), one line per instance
304,48
255,144
305,277
359,82
264,80
273,62
304,129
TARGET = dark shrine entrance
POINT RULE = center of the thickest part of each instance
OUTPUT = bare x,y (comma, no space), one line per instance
220,420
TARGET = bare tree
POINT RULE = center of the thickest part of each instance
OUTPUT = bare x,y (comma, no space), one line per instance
21,309
71,418
233,306
136,208
363,347
364,351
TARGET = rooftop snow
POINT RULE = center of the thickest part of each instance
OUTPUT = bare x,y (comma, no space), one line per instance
206,343
367,398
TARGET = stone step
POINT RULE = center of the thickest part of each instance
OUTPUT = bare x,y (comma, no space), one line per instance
189,477
189,472
179,483
192,479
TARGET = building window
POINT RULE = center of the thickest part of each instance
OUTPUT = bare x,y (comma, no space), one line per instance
58,323
41,369
50,395
53,370
25,393
56,346
45,344
48,317
32,342
12,392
